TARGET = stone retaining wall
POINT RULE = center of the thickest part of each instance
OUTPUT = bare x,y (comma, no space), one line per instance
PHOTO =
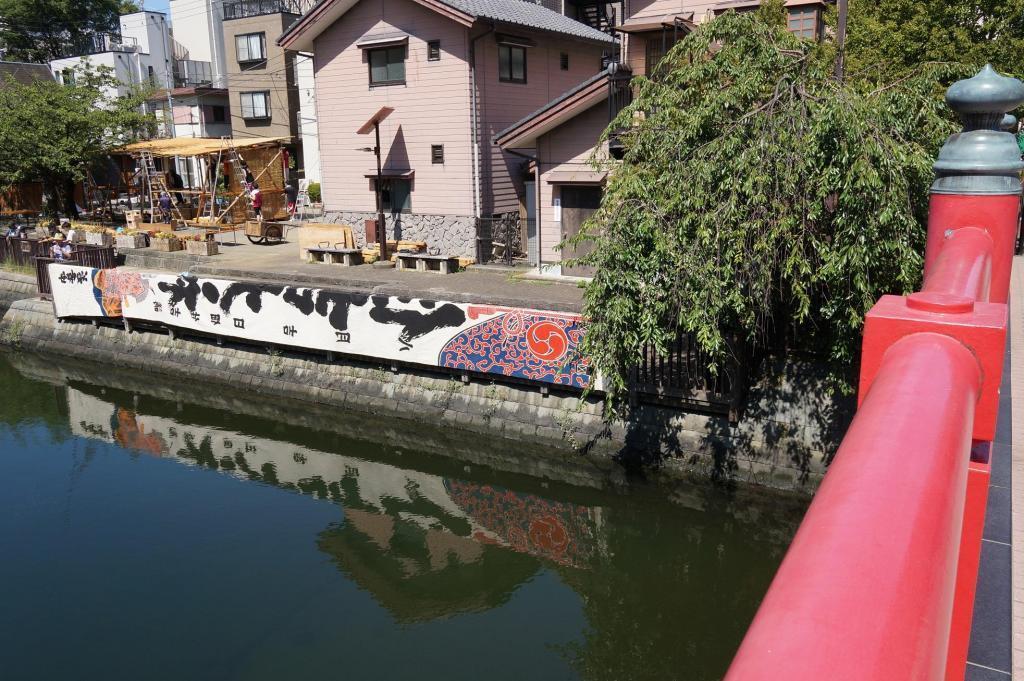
453,234
783,442
13,287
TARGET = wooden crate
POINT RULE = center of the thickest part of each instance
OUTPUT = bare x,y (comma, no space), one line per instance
130,241
99,239
166,245
201,247
314,234
133,219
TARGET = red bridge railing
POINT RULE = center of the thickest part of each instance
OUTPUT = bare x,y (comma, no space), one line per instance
879,582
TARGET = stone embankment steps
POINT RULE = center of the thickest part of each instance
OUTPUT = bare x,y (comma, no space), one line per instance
780,445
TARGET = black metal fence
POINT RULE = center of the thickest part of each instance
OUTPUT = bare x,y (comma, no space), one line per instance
500,239
35,254
683,376
17,251
253,8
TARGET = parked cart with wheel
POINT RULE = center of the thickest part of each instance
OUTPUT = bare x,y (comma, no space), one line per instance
264,232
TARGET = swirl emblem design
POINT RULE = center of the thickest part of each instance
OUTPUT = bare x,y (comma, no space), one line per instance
547,341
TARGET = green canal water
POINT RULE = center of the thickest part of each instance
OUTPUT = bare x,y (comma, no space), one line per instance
168,530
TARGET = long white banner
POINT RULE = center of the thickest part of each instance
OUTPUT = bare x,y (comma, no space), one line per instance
528,344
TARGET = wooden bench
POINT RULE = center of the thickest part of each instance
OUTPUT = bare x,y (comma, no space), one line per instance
346,257
422,262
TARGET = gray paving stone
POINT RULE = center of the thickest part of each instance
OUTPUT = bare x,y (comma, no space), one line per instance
990,629
998,514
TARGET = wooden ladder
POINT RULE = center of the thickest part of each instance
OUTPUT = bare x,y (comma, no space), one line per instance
157,185
238,163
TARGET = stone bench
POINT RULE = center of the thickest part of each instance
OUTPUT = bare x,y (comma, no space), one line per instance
346,257
427,263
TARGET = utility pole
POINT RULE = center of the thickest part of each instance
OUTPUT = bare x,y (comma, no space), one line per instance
841,40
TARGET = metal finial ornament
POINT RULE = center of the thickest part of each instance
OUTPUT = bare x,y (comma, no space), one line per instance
983,159
982,99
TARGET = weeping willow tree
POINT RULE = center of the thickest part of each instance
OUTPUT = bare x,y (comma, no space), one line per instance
759,198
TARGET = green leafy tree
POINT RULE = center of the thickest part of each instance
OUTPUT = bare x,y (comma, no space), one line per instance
759,197
54,133
894,36
41,30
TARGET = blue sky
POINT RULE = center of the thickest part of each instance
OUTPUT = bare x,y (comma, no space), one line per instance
157,6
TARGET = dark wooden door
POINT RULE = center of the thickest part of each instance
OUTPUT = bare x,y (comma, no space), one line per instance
579,202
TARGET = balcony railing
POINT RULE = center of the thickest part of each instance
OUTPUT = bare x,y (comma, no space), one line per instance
255,8
620,95
100,43
192,73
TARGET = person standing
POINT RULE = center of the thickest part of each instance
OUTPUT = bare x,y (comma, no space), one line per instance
256,196
291,193
165,207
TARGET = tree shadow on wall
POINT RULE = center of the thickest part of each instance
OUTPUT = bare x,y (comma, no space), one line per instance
786,435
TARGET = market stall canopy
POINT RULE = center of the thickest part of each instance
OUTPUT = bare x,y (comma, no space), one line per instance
198,146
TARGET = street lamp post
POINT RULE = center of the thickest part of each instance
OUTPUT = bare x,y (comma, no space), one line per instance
374,124
382,233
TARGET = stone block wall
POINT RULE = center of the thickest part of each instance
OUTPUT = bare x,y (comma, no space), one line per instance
14,286
783,444
453,234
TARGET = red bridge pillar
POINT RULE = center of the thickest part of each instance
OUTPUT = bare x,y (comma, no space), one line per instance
978,174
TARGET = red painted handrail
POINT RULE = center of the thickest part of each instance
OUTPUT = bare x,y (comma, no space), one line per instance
880,579
963,266
866,589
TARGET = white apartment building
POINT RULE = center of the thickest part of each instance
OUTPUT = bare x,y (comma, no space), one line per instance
140,54
308,132
198,28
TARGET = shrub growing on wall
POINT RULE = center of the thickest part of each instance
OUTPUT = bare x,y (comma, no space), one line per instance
759,195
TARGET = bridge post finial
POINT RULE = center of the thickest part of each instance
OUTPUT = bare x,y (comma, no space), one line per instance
983,159
977,175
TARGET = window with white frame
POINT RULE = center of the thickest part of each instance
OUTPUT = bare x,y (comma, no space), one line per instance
256,105
250,47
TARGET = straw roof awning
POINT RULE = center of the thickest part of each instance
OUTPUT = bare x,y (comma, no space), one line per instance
197,146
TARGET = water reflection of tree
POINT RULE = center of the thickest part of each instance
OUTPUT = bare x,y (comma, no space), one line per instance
673,599
26,401
667,591
419,574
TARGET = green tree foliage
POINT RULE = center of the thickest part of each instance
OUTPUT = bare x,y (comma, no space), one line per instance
53,133
758,196
41,30
894,36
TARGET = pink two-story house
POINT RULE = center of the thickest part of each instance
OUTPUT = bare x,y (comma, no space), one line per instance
455,72
560,137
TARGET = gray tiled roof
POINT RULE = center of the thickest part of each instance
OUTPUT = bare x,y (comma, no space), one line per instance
524,13
23,73
529,14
